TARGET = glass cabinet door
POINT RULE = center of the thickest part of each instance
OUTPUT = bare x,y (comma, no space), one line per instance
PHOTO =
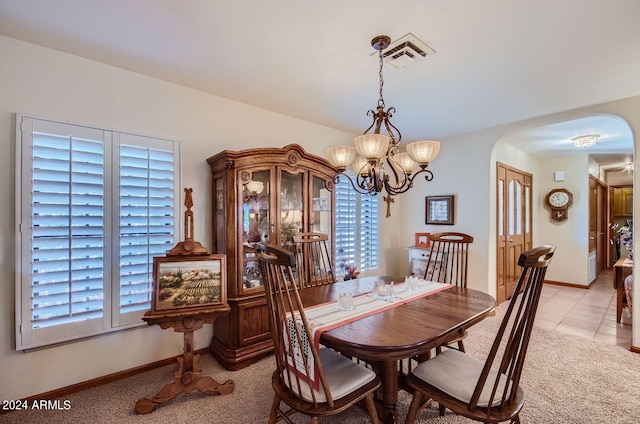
255,225
321,208
219,208
291,207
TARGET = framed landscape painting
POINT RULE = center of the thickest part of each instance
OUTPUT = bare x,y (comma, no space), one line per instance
182,282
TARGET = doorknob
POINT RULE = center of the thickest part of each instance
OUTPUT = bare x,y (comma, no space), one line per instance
510,240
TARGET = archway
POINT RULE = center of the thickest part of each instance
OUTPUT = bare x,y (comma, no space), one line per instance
548,153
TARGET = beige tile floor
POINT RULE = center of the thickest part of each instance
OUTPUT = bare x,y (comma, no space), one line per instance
583,312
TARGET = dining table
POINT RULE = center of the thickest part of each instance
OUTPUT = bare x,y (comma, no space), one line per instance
411,328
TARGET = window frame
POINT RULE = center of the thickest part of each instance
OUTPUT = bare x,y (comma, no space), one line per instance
111,319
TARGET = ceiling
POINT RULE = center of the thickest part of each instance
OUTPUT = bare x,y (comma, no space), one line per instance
495,61
613,150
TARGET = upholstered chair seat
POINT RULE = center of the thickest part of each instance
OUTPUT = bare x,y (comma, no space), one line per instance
457,374
343,377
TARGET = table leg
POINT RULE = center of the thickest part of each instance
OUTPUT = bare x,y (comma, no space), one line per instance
388,408
619,299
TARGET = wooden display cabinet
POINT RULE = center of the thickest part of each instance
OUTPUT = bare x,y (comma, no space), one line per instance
267,195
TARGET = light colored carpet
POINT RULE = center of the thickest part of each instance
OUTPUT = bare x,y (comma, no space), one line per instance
567,379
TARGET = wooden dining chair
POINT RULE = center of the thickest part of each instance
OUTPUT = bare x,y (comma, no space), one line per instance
488,391
448,263
314,259
339,382
448,257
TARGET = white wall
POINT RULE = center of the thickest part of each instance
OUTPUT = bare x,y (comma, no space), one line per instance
619,178
571,236
595,169
462,169
50,84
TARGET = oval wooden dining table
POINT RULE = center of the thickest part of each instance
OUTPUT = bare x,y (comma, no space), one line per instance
387,337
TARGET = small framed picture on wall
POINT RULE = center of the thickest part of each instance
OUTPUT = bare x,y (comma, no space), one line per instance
423,240
439,210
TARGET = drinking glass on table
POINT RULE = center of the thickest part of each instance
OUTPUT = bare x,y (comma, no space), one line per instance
346,303
412,282
384,291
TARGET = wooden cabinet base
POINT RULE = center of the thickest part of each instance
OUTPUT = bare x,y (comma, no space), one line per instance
236,359
244,336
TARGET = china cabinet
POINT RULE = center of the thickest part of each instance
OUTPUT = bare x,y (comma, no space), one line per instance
261,195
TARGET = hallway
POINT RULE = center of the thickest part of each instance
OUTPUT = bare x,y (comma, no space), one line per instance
581,312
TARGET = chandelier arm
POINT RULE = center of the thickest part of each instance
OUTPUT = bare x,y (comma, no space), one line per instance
392,129
355,186
375,122
398,190
428,174
393,191
409,183
400,182
375,179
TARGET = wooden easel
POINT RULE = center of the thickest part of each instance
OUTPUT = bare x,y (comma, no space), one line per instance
189,375
189,246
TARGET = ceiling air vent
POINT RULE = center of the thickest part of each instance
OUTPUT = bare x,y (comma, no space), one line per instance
405,51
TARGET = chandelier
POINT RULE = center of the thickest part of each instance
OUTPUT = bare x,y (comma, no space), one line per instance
585,141
378,163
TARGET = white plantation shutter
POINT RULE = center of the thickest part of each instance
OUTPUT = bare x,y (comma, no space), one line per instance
356,228
368,232
67,228
345,225
146,220
94,207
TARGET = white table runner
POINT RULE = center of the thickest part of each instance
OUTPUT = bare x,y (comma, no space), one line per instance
327,316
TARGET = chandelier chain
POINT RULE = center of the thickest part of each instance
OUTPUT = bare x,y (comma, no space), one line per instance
381,99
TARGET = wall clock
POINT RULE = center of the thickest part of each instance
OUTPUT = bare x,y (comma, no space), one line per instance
559,200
